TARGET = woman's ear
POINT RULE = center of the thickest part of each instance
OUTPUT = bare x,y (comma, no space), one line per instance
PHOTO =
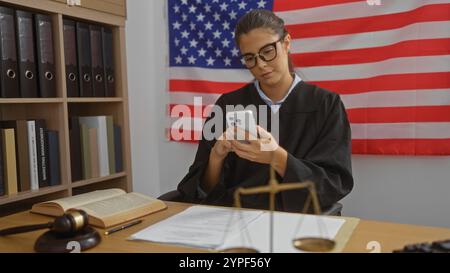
287,42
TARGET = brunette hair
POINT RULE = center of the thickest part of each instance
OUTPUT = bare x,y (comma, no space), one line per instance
261,18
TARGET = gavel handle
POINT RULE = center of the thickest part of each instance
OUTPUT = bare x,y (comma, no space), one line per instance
22,229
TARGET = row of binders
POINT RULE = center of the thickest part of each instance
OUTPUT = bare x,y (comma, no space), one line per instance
23,72
95,147
29,156
27,57
88,51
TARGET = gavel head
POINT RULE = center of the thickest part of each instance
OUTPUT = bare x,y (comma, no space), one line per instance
70,223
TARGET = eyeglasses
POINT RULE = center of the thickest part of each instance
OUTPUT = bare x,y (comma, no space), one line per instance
267,53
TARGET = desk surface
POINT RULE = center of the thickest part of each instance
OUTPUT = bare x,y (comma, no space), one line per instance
391,236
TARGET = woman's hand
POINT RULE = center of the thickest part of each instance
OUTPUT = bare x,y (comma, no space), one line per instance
264,149
222,146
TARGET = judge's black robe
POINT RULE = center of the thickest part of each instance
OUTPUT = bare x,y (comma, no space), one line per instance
315,132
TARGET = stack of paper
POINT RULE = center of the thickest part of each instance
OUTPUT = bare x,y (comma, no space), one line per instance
220,228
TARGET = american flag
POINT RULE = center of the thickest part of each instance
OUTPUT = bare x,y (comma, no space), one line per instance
388,59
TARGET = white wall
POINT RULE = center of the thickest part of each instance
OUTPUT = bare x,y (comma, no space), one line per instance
412,190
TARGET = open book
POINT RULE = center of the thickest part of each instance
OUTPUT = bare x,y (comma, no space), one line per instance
105,208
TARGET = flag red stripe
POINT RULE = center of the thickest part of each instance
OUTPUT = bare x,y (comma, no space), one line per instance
203,86
177,135
363,146
286,5
402,146
193,111
437,12
400,114
361,115
410,81
425,47
414,81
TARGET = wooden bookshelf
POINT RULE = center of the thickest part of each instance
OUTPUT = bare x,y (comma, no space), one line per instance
56,111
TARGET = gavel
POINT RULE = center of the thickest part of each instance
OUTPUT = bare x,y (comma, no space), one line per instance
66,225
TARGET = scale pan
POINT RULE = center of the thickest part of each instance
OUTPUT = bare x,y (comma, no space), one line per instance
314,244
239,250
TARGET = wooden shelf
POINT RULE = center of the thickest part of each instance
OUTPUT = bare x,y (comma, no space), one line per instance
96,14
56,111
93,100
90,181
31,194
31,100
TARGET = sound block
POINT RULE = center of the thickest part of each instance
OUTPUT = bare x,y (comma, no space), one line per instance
52,242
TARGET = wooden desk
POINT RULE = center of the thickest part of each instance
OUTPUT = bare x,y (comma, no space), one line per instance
390,235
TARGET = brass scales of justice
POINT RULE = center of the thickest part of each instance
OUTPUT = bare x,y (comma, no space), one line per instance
312,244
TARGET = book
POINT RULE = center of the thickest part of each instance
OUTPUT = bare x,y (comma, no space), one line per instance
32,155
21,138
105,208
101,124
111,150
118,149
9,161
75,149
53,158
93,144
2,179
42,152
85,151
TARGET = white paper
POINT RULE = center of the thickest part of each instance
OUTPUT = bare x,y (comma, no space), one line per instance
198,226
286,227
220,228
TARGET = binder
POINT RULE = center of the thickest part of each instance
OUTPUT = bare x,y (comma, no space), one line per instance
84,59
97,61
108,54
26,55
9,78
45,55
70,52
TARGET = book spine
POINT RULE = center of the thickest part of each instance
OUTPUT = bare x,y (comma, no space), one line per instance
118,148
111,152
75,149
85,151
102,136
9,149
93,144
2,179
34,177
22,154
99,122
42,151
53,158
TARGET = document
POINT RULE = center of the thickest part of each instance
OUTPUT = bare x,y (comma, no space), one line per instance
286,228
221,228
198,226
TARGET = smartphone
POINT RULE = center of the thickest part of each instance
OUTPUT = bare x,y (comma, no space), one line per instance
244,120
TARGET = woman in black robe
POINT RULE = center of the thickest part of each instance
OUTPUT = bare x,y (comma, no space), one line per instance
314,140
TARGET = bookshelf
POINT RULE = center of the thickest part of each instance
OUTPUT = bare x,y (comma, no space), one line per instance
56,111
